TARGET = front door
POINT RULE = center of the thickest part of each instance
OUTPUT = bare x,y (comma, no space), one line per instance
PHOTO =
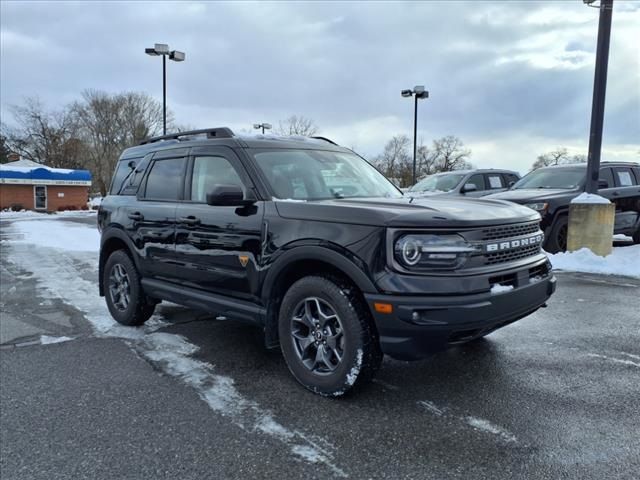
218,247
40,197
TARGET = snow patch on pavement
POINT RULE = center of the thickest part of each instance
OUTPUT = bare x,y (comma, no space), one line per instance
622,261
59,271
432,407
60,235
486,426
46,339
615,360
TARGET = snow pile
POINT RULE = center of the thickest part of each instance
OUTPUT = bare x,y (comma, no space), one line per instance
590,198
622,261
10,215
62,235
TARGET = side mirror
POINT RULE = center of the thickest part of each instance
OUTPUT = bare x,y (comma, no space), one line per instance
469,187
512,183
227,196
603,184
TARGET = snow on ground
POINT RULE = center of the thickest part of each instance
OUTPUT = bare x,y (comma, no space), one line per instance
62,235
622,261
65,252
46,339
31,215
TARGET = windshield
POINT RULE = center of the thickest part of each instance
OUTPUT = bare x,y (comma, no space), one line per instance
552,178
317,175
438,183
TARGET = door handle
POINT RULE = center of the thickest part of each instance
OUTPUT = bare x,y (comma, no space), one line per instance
190,220
137,216
615,194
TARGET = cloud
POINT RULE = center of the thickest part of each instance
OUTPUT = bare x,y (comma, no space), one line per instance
499,74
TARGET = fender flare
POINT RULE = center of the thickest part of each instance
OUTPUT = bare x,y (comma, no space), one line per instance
108,234
337,259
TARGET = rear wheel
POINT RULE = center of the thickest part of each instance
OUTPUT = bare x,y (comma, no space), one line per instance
557,241
636,236
125,299
327,336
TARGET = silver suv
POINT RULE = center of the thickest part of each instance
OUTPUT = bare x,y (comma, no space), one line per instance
472,183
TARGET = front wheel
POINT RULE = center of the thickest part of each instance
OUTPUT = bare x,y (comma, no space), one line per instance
126,301
327,336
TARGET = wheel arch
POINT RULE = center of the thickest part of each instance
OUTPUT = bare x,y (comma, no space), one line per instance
300,262
113,240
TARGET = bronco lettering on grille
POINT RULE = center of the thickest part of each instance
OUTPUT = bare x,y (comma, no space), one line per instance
508,245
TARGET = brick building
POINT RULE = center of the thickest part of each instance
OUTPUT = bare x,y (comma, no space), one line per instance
32,186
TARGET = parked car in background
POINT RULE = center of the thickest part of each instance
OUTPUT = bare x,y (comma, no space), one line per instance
550,190
472,183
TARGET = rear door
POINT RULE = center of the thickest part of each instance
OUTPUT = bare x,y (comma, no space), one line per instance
153,216
218,247
626,196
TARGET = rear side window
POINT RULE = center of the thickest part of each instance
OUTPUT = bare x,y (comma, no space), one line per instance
164,181
477,180
494,181
120,175
624,176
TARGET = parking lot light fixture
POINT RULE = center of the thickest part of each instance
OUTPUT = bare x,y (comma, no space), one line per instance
263,126
418,93
162,49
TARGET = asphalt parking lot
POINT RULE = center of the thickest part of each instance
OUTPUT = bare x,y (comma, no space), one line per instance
555,395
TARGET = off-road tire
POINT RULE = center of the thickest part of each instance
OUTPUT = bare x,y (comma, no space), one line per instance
138,309
361,354
557,241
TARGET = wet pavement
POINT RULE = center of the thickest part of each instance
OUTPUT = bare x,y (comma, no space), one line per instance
552,396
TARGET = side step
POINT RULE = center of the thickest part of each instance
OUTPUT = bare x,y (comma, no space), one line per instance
208,302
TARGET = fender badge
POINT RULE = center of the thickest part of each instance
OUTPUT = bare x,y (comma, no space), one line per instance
244,259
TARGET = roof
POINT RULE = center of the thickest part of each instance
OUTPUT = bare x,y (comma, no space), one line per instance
28,172
584,165
224,136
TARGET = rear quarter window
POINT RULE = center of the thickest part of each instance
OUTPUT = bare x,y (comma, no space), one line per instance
624,177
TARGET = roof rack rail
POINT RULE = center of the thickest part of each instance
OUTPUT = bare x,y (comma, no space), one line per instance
220,132
325,139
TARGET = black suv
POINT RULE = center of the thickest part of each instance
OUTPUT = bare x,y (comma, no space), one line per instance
310,242
550,190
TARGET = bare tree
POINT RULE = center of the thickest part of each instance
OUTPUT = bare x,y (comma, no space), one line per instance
449,154
111,123
45,136
559,156
4,148
297,125
395,162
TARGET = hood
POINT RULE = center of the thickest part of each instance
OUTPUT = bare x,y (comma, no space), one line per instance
432,212
526,195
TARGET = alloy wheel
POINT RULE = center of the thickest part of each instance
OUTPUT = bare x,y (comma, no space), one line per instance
119,287
317,335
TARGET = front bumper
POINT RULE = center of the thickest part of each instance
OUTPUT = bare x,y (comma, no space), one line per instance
420,325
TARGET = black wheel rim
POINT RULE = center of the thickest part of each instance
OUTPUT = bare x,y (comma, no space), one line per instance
562,237
119,287
318,336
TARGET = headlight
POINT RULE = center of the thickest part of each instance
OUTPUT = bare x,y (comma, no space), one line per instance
538,207
446,252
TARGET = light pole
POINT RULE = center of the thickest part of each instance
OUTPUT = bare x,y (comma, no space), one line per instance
599,91
176,56
263,126
418,92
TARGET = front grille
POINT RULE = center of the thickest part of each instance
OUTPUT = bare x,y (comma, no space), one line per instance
507,231
511,255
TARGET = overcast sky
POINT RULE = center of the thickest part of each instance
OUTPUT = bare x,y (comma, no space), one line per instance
512,79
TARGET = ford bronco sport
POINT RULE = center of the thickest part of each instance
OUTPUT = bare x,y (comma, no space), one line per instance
310,242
